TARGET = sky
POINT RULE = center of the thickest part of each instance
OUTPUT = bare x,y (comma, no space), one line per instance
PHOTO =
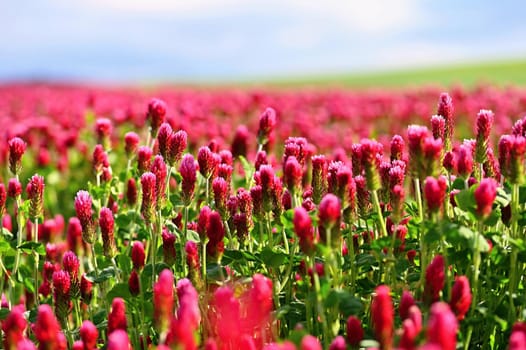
199,40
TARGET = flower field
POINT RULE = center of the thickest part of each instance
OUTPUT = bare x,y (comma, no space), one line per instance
262,218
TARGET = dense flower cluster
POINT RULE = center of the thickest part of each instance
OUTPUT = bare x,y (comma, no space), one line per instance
252,220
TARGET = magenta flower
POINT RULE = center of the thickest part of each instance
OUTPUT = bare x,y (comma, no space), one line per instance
442,327
138,255
267,122
435,193
17,148
107,227
35,192
117,316
354,331
382,316
188,173
14,188
118,340
485,195
148,184
163,300
460,297
156,114
435,279
89,335
131,142
240,142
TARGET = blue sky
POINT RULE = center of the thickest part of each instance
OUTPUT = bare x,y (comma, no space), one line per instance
155,40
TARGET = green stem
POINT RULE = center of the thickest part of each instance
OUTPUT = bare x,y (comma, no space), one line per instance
514,254
183,241
418,195
269,230
319,302
37,256
381,221
350,246
203,261
18,236
475,281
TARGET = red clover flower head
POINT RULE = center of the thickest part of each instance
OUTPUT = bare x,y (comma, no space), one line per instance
382,316
35,192
17,148
189,177
156,114
148,184
138,255
107,227
131,142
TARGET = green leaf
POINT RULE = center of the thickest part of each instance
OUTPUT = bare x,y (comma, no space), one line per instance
247,168
29,284
466,200
287,219
272,258
480,241
192,235
503,198
4,312
103,276
30,246
7,234
5,247
123,220
120,290
458,184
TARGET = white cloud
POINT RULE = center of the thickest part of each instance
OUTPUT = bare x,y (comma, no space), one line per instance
370,16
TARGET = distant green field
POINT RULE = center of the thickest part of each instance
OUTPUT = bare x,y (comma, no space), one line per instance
500,73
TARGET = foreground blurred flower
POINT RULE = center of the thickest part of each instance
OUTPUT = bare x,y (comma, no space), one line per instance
354,331
163,300
442,327
14,327
47,329
186,321
89,335
118,340
406,301
382,317
117,316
